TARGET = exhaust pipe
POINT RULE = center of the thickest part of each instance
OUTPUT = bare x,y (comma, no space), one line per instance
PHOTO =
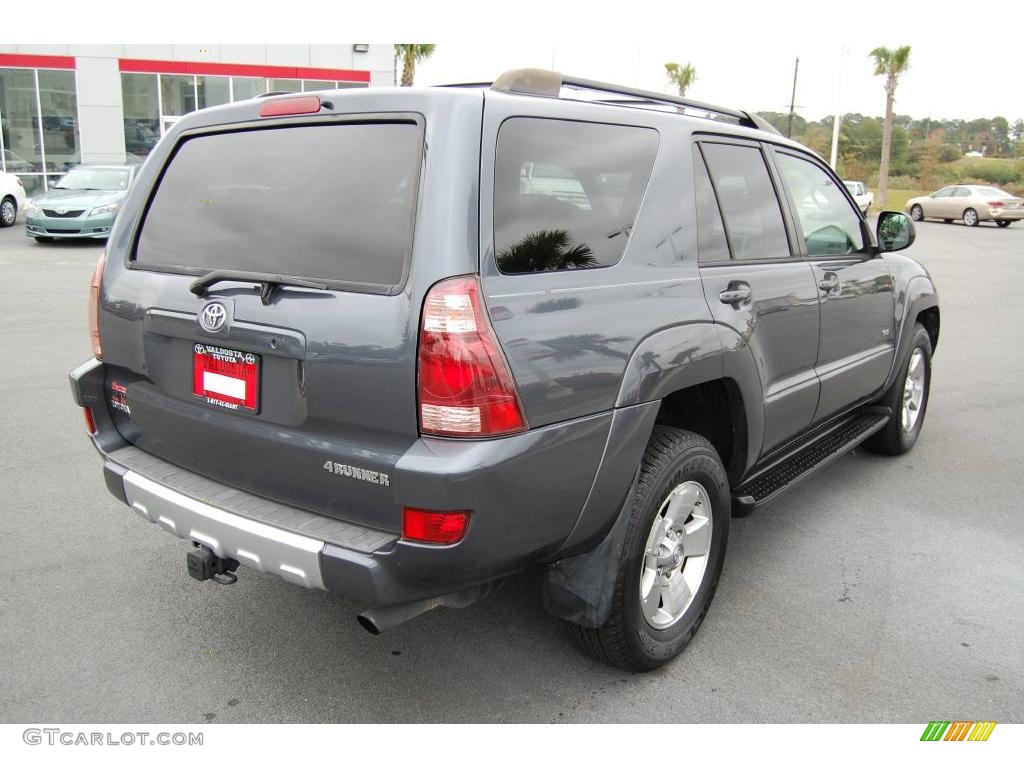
377,620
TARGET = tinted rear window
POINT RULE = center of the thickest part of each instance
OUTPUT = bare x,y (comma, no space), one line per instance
333,202
566,193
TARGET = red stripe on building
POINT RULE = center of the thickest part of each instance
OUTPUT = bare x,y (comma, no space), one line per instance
242,70
32,61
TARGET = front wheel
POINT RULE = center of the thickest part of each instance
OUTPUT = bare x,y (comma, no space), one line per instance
917,213
907,398
1003,224
971,217
672,555
8,212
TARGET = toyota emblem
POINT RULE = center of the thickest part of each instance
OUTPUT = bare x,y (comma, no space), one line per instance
213,317
62,210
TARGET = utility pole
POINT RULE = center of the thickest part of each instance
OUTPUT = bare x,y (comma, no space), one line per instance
834,156
792,100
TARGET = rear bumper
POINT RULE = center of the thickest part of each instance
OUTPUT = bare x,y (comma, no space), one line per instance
1002,214
515,521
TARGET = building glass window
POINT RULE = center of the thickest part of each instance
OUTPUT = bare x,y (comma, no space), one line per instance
318,85
141,114
60,119
213,91
288,86
248,87
177,95
353,85
19,119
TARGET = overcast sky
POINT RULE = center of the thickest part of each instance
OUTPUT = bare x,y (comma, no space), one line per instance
966,62
744,55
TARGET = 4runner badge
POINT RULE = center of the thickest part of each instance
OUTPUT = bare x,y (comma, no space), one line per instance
358,473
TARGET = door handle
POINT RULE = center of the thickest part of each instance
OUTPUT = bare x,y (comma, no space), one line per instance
829,284
736,293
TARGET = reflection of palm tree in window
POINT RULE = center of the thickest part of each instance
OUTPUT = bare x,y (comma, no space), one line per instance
544,251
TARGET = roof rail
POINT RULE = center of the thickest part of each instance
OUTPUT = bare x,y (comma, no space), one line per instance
544,82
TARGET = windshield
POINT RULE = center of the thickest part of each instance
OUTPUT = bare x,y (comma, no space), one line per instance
993,192
105,179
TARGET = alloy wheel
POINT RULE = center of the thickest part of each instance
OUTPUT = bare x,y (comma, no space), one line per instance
676,554
913,391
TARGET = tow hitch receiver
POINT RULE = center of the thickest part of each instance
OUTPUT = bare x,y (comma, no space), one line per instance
203,564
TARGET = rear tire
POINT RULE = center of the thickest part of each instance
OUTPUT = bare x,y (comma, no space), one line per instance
8,212
917,213
1003,224
662,594
908,399
971,217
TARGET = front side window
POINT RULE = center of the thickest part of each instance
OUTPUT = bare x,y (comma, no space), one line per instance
753,218
566,194
944,192
830,226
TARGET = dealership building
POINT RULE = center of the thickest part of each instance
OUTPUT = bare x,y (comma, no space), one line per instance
61,105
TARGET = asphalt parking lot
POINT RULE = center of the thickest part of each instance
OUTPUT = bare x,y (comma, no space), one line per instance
884,590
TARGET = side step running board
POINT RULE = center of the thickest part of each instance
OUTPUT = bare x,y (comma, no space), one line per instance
806,460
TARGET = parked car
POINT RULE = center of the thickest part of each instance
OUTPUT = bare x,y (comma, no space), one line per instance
971,203
323,352
12,198
863,196
83,204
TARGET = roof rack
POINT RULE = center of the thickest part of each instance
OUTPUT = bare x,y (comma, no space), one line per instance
544,82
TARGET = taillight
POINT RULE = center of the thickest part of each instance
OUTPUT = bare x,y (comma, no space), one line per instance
94,307
295,105
90,422
996,204
432,527
465,386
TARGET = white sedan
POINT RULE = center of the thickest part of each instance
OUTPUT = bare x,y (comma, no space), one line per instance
12,198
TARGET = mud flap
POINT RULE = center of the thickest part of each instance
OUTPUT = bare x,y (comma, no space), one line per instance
579,589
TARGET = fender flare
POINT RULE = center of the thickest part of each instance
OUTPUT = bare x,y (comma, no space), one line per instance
920,294
579,587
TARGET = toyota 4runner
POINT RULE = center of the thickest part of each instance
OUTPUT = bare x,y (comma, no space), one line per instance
399,344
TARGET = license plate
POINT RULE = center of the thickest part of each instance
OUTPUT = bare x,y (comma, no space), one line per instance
226,377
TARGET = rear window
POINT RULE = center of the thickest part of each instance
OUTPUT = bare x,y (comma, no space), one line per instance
332,202
566,194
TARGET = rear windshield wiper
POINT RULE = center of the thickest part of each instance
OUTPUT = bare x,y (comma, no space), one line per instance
268,283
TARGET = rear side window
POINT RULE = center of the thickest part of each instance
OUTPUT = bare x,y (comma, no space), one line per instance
711,241
749,205
566,193
333,202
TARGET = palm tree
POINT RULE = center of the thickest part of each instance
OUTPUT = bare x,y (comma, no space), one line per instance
681,76
410,54
892,64
544,251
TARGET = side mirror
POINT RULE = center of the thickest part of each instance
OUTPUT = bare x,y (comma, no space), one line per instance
894,231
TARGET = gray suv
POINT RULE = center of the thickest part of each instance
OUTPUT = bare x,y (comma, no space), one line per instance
400,344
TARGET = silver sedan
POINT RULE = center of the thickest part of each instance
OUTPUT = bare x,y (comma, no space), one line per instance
972,203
